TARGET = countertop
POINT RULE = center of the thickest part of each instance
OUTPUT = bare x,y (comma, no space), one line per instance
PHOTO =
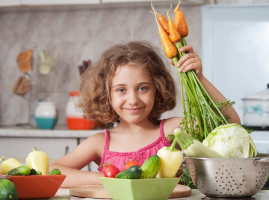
196,195
260,138
57,132
64,132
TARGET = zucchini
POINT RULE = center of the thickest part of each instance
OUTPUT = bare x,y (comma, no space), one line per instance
133,172
21,170
193,147
55,172
151,167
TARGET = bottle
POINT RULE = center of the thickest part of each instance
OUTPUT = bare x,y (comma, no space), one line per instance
74,115
46,115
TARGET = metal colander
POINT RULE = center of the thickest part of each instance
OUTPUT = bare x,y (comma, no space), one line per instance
228,177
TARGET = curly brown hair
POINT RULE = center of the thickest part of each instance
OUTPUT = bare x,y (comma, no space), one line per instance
95,84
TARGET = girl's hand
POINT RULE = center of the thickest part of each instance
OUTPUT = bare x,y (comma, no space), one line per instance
190,61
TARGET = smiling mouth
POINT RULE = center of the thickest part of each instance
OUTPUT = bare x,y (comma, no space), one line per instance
133,110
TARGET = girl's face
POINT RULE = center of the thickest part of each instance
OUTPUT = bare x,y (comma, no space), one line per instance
132,93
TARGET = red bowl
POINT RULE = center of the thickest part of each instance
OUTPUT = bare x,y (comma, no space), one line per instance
37,186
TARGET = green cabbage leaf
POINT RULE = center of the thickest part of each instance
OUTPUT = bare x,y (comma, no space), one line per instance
231,141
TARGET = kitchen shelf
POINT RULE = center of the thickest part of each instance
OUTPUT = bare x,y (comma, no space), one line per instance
34,132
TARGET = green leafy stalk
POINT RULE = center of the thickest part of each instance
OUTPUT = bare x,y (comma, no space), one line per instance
201,113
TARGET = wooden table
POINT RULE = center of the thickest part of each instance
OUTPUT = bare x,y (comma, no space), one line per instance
196,195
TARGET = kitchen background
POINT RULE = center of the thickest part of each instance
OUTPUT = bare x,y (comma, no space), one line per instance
73,34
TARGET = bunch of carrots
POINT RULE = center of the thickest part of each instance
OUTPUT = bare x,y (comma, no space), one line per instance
201,113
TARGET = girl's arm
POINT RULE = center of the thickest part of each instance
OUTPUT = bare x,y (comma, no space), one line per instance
192,61
89,150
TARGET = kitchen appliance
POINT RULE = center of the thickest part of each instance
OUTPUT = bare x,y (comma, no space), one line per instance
256,109
228,177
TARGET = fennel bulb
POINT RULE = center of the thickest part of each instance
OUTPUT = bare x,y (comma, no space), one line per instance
231,141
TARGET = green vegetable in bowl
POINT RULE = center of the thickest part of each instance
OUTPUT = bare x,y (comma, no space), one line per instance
151,167
231,141
133,172
55,172
21,170
7,190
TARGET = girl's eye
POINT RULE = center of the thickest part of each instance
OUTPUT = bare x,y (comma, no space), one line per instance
142,88
120,90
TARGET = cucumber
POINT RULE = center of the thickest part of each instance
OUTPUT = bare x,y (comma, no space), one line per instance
7,190
151,167
21,170
39,172
133,172
55,172
33,172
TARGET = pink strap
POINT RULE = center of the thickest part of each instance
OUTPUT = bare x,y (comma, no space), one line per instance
105,149
161,128
106,140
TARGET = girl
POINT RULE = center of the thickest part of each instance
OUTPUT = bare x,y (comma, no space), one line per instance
129,85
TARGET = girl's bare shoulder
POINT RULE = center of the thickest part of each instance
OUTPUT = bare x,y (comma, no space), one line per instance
94,143
170,124
97,137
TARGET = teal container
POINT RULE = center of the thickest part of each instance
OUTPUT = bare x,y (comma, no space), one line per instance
46,122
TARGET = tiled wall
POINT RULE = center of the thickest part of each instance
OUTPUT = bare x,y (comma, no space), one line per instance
71,37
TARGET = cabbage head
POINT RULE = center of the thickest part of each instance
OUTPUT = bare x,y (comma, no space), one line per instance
231,141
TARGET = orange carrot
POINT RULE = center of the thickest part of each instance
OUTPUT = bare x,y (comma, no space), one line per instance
162,21
174,34
169,48
180,22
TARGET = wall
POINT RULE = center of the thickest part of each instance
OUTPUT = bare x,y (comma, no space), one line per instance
73,36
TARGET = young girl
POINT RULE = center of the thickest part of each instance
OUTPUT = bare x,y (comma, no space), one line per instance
130,85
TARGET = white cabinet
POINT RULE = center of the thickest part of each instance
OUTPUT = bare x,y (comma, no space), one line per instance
9,3
19,148
58,2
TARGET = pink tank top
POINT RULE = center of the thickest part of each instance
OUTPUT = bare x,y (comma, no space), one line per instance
119,158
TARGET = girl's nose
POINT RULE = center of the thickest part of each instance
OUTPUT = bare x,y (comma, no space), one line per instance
133,98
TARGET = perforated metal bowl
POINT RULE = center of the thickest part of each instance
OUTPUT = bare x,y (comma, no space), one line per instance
228,177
